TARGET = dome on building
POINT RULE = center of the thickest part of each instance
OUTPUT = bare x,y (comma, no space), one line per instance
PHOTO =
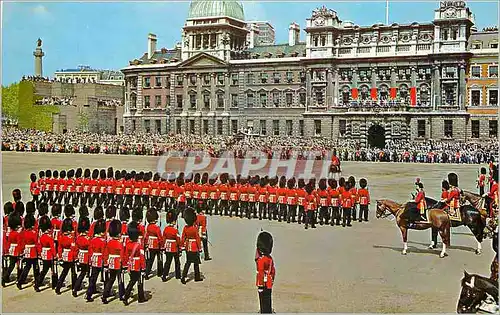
211,8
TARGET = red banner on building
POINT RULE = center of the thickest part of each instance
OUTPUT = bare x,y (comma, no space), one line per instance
413,96
354,92
394,92
373,93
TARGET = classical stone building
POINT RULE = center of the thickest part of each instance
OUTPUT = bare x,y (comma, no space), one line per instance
345,81
266,34
87,74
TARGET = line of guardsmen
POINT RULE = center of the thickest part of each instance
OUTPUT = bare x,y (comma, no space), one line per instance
107,247
281,199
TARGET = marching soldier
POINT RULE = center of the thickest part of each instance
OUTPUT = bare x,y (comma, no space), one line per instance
291,200
115,251
192,243
262,191
49,187
98,217
172,246
82,246
364,200
334,201
94,188
155,191
323,201
70,187
153,241
110,216
354,196
15,246
223,190
146,189
128,189
97,252
30,238
347,203
34,189
109,198
119,187
61,184
243,198
87,188
124,218
78,195
56,223
69,213
301,201
266,272
41,186
55,186
136,263
281,193
67,254
138,216
102,184
201,222
47,250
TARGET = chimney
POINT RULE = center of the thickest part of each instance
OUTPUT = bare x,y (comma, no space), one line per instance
252,39
293,34
151,45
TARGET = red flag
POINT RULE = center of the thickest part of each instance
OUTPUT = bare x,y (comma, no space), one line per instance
394,92
373,93
413,96
354,93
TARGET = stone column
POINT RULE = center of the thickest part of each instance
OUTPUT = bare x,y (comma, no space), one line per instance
329,89
462,86
335,86
38,53
199,96
185,97
227,95
308,88
213,98
413,79
437,87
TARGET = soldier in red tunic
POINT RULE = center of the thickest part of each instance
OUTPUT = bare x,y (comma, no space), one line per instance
281,193
266,272
30,238
172,246
223,195
354,196
110,216
47,251
77,195
192,243
153,241
56,222
364,200
291,200
201,222
94,188
98,216
34,188
61,187
124,218
334,201
347,204
87,189
155,191
253,195
136,263
115,252
82,245
138,217
454,194
41,186
97,256
323,201
67,254
15,246
311,205
71,187
204,192
272,199
55,186
234,192
188,189
110,188
69,213
146,189
301,201
179,195
102,184
213,195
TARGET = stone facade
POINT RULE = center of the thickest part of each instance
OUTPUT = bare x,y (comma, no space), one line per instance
382,82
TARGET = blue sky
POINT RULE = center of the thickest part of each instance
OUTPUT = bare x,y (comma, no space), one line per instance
108,35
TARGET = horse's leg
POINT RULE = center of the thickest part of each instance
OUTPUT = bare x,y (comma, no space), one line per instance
444,231
477,230
434,237
404,233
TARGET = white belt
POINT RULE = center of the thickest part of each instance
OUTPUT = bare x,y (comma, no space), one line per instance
30,246
136,258
171,241
153,237
114,256
66,249
84,250
97,254
13,244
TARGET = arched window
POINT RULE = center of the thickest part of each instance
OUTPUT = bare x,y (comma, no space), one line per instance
403,93
424,95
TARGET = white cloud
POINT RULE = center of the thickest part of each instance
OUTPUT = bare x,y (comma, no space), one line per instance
40,10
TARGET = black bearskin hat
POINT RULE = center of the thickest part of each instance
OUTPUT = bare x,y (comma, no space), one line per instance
204,178
146,176
301,183
133,231
197,178
262,182
495,173
118,175
179,181
33,177
19,209
282,182
128,176
83,211
30,207
151,215
133,173
347,185
189,216
67,225
95,174
69,211
309,188
332,182
102,174
352,181
232,180
29,221
8,208
48,173
99,227
41,174
110,212
445,185
115,228
265,243
43,209
137,215
55,174
171,216
363,183
483,170
291,183
44,223
124,214
420,185
71,173
238,178
110,172
86,173
172,177
342,182
212,179
98,213
56,210
83,224
123,174
188,177
223,178
322,184
78,172
62,174
16,194
453,179
139,176
156,177
14,221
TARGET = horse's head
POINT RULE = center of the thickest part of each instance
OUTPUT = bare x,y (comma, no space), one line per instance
383,209
471,297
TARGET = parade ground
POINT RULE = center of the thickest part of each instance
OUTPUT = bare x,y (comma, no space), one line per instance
327,269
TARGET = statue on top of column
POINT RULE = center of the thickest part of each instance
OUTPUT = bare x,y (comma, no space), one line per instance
39,43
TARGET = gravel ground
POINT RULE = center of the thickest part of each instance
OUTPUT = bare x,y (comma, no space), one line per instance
329,269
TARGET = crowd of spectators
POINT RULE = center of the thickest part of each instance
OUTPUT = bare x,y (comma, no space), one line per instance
286,147
56,101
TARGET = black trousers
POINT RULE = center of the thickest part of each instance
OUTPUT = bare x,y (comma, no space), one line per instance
244,209
481,190
153,254
282,215
94,274
252,210
137,201
128,201
265,300
233,207
310,218
301,215
29,262
272,211
212,207
113,274
37,202
324,216
168,261
46,266
84,271
12,264
204,241
67,266
363,213
135,277
292,209
262,210
336,215
353,212
224,207
346,216
192,257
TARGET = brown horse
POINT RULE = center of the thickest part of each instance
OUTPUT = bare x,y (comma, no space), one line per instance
438,220
334,171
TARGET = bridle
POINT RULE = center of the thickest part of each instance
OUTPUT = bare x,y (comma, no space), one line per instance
385,214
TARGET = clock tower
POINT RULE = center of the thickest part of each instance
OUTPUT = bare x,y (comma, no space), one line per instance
452,23
321,28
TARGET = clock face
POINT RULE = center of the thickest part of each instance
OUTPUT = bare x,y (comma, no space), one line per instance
319,21
450,12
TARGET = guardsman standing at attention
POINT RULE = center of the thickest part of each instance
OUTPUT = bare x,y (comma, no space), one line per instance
115,253
82,245
347,203
192,243
266,272
30,237
153,241
172,246
67,253
334,201
364,200
481,181
97,252
136,262
201,222
47,251
34,188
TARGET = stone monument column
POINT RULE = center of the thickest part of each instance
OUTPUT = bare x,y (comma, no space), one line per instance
38,53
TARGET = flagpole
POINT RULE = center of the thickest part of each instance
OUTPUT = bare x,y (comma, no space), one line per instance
387,12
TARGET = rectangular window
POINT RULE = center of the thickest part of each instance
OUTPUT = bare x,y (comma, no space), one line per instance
301,128
250,100
179,100
276,127
263,78
493,71
302,97
167,101
158,100
219,127
302,77
475,72
205,126
178,127
220,100
206,101
493,97
421,128
276,77
276,99
167,82
158,81
158,126
192,100
493,127
147,82
475,97
289,77
234,79
179,79
220,79
289,127
448,128
342,127
147,125
263,99
191,126
133,125
317,127
289,99
234,126
234,100
206,79
263,129
475,128
494,45
250,78
147,102
192,79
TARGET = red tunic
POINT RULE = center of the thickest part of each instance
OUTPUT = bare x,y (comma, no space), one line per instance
56,227
41,184
67,250
272,194
124,233
354,195
252,193
172,239
311,202
46,247
444,195
454,198
334,197
128,187
30,238
115,252
233,193
323,198
201,222
153,238
119,187
364,196
291,196
70,185
263,194
78,185
214,191
224,192
137,187
481,180
301,197
155,188
146,188
34,188
134,256
244,192
346,199
191,239
15,243
281,193
97,251
265,272
82,245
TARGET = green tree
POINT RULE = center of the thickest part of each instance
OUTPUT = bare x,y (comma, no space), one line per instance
33,116
83,121
10,101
